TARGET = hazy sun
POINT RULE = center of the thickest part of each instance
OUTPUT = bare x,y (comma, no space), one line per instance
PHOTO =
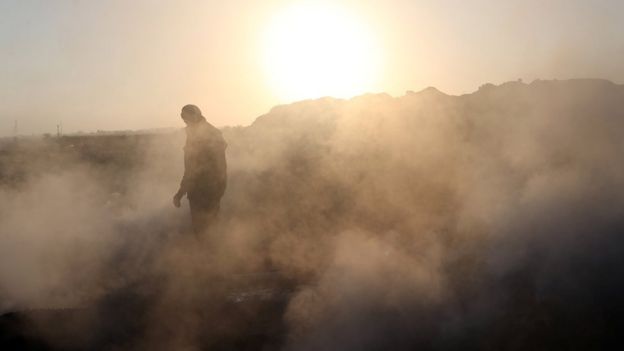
314,50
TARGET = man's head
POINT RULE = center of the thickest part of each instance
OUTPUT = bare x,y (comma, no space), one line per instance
191,114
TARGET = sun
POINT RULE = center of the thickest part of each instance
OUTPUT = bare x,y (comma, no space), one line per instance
313,50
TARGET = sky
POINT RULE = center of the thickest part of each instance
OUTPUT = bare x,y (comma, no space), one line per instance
119,65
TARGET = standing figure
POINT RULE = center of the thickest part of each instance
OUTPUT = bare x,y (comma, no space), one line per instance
205,170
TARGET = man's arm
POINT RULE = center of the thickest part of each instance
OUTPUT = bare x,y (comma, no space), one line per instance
184,183
181,192
193,166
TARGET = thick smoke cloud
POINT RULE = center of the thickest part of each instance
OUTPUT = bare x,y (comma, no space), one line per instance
484,221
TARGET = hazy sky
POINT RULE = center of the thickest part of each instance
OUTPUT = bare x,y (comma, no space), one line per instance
132,64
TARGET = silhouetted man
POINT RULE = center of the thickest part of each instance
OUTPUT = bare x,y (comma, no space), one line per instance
205,172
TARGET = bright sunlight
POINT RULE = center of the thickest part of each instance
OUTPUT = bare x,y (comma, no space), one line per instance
314,50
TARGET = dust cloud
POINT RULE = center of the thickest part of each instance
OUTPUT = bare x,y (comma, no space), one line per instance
484,221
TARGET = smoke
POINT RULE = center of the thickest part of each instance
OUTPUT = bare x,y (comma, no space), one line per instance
485,221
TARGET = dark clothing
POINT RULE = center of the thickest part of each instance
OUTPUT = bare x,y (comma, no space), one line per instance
205,173
203,215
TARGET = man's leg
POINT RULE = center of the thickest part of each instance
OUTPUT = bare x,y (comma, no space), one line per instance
203,216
